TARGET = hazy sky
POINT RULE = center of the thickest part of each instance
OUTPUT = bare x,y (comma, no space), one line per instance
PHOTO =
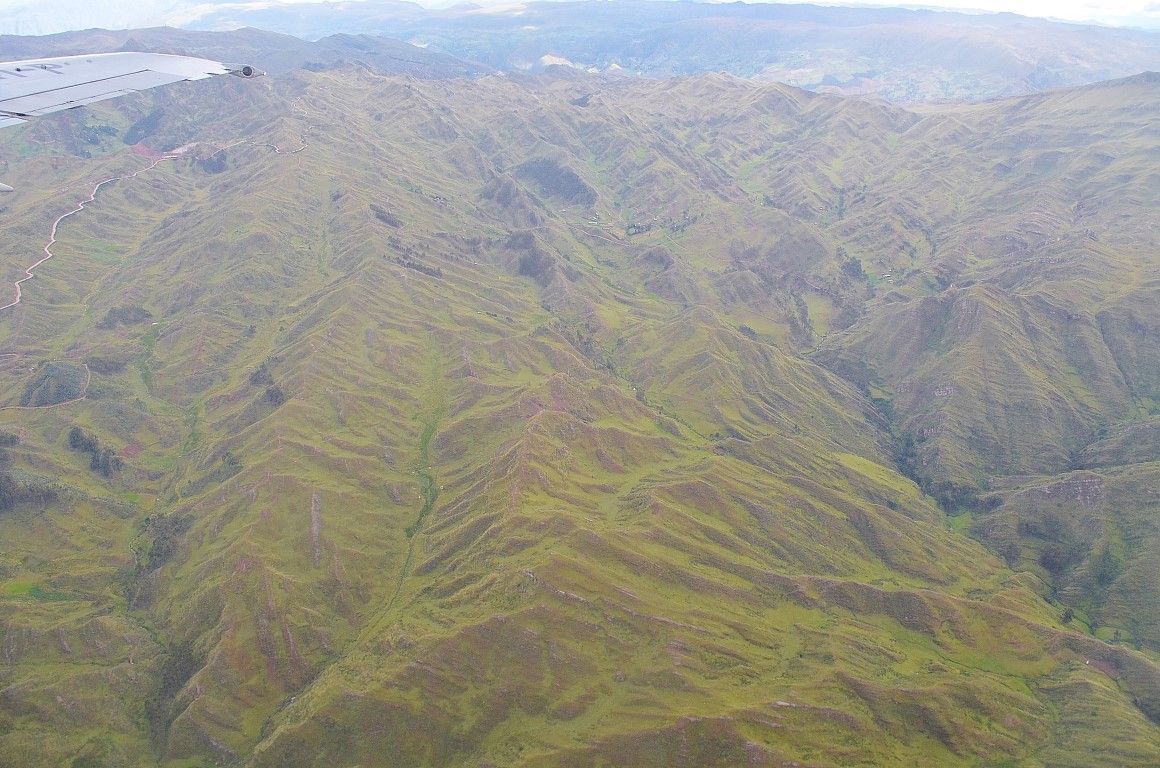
31,17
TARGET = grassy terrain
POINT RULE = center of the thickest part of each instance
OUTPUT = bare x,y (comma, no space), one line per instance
504,426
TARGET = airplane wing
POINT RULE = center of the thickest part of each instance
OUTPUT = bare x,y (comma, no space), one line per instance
37,87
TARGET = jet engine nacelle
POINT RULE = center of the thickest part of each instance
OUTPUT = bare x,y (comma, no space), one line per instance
244,70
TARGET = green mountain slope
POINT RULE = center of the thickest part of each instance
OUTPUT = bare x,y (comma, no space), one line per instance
571,421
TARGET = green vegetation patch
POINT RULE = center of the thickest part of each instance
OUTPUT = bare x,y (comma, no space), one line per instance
54,382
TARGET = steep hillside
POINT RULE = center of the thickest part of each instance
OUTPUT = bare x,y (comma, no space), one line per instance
580,421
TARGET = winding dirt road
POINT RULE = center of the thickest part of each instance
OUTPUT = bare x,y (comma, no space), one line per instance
30,271
48,254
176,154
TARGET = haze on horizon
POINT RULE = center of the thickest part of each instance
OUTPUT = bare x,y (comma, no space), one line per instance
22,17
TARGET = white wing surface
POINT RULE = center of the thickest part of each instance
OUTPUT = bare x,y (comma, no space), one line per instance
41,86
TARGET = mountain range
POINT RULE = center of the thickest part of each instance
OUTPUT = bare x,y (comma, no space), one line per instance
901,55
904,56
368,417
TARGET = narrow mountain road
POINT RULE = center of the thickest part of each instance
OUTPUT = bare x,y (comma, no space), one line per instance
279,151
29,272
176,154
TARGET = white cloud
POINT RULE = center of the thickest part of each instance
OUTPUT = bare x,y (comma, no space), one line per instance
1138,13
39,17
22,17
185,16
